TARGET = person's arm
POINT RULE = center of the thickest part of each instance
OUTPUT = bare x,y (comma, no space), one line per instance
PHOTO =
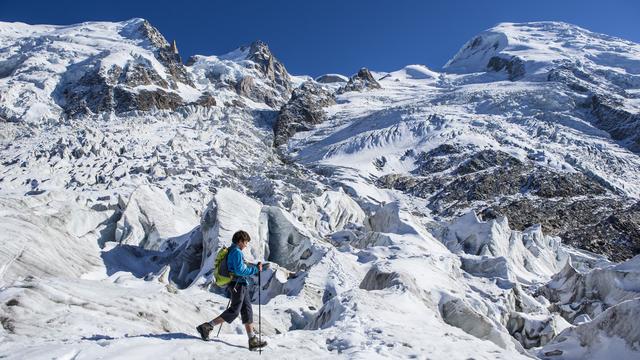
237,265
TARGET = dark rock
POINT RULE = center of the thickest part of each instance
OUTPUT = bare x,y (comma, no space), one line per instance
145,100
574,206
619,123
439,159
245,86
95,93
380,162
549,184
514,66
138,74
363,80
606,96
273,69
420,187
484,186
271,72
444,149
567,76
173,63
605,226
206,100
331,79
91,93
303,110
486,159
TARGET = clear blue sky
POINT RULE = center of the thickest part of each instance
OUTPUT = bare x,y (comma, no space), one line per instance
321,36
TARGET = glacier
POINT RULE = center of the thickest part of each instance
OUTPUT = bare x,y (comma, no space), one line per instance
489,209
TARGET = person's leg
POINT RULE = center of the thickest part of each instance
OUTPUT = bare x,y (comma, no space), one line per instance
247,319
228,315
232,312
249,328
246,313
217,321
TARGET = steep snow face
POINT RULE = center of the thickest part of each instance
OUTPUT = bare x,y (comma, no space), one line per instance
151,216
541,45
528,257
604,69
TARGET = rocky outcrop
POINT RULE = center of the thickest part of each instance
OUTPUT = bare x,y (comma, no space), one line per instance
621,124
206,100
361,81
165,53
331,79
606,226
97,85
269,71
514,66
302,111
269,66
486,159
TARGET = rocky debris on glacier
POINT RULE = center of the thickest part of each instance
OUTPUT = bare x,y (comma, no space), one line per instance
361,81
574,206
303,110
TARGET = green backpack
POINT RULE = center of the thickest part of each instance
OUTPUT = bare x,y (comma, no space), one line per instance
221,268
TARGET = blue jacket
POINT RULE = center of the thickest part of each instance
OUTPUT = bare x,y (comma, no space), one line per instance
236,265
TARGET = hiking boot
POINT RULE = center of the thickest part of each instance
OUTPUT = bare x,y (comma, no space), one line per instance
204,330
255,343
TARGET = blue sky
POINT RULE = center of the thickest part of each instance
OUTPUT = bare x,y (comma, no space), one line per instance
321,36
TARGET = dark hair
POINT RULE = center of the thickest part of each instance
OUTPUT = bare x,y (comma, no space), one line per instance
240,235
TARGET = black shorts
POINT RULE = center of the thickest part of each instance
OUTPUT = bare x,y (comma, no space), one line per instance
240,304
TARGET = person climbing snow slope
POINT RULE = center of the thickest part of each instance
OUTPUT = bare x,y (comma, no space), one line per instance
238,288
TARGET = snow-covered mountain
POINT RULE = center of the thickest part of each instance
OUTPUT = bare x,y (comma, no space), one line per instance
468,212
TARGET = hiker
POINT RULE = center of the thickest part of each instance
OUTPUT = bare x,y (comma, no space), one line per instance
238,289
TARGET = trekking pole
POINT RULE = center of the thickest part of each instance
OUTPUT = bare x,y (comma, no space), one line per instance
220,328
260,311
228,304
